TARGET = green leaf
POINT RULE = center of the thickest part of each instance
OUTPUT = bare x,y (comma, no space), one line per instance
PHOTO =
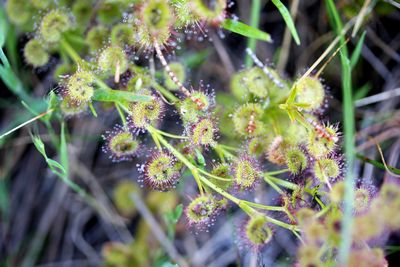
288,19
54,165
63,150
200,158
357,51
39,145
392,249
362,91
178,212
61,169
378,164
108,95
245,30
292,95
92,109
52,103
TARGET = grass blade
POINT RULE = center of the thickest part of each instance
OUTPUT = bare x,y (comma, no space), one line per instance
357,51
349,130
254,21
245,30
288,19
25,123
378,164
63,150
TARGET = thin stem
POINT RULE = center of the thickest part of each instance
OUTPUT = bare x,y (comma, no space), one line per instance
222,149
228,147
92,109
283,183
70,51
156,141
213,176
193,169
171,135
277,172
299,237
272,184
26,123
265,207
201,179
282,224
254,21
323,211
319,201
121,113
165,92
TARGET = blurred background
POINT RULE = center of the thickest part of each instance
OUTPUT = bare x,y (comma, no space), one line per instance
44,223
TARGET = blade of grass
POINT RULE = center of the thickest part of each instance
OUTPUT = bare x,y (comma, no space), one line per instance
378,164
245,30
349,147
288,19
362,92
360,17
357,51
63,150
25,123
254,21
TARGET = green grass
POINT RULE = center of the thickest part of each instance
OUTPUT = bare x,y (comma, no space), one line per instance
288,20
254,21
348,136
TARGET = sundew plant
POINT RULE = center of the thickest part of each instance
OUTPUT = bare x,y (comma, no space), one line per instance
199,133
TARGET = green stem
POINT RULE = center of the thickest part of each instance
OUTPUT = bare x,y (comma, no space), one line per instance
171,135
193,169
70,51
165,92
228,147
221,149
283,183
202,180
323,211
213,176
121,113
273,185
349,145
277,172
282,224
265,207
254,21
92,109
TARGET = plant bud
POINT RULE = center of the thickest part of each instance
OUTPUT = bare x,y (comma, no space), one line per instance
246,173
96,38
53,25
35,54
121,144
257,232
160,172
247,120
